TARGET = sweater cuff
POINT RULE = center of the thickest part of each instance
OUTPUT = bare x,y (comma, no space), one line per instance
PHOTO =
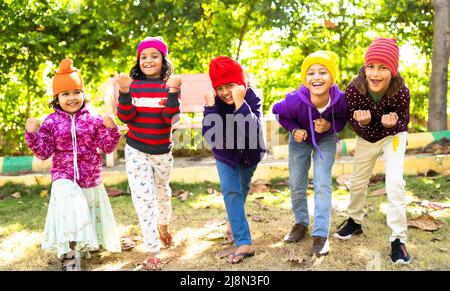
173,100
125,98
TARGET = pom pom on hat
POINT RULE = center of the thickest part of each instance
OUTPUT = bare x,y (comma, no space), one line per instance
154,42
383,50
327,59
224,70
67,78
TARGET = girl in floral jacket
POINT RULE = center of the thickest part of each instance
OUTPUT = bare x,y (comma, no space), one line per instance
79,216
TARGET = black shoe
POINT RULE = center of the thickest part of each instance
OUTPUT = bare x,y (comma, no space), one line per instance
399,254
348,230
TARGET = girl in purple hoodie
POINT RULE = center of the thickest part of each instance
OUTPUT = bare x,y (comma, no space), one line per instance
313,115
79,216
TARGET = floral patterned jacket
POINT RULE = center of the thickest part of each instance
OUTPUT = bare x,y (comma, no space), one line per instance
74,140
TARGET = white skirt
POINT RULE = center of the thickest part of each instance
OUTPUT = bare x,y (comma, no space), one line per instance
81,215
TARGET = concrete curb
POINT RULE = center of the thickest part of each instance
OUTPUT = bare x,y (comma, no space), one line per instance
414,165
345,146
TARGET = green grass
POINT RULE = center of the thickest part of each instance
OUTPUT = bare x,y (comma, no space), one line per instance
197,224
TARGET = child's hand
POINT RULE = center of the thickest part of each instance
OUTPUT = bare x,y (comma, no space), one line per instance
109,121
238,94
389,120
32,125
321,125
174,84
209,98
124,82
300,135
362,116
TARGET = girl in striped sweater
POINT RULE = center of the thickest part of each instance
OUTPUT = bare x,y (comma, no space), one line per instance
149,105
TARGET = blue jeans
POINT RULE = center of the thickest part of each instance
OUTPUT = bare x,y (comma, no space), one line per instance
235,184
299,164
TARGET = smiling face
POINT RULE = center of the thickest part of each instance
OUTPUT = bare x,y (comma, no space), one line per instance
378,77
224,93
150,62
318,80
71,100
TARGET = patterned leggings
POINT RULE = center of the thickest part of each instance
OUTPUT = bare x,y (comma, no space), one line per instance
148,176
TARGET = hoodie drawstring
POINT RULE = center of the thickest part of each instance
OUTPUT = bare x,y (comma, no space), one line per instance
334,127
313,136
76,174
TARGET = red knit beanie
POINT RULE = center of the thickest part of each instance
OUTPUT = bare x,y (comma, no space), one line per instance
224,70
385,51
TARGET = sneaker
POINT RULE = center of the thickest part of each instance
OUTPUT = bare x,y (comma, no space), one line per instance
399,254
348,230
298,232
321,246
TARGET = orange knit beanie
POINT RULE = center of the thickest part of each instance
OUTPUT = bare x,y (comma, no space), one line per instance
67,78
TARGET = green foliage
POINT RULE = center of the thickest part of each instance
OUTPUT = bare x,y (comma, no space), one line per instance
270,38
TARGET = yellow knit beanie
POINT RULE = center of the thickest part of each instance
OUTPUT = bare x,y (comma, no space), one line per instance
325,58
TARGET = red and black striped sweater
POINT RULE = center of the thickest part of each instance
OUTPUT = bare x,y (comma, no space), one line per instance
149,111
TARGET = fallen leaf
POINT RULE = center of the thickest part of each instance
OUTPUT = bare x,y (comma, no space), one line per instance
139,267
262,182
377,178
378,192
257,188
114,192
435,239
16,195
177,193
426,222
443,250
184,195
127,244
282,183
263,207
256,218
432,205
292,258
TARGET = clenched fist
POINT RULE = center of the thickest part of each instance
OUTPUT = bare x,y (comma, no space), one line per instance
238,94
362,117
32,125
109,121
174,84
209,98
389,120
124,81
321,125
300,135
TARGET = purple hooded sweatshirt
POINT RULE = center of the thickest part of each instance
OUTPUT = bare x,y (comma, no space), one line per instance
65,136
296,111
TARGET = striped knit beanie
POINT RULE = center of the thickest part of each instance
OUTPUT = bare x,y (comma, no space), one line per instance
385,51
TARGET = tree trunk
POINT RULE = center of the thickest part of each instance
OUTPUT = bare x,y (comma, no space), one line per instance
437,105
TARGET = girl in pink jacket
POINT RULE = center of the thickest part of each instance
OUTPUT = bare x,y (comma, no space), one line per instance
79,216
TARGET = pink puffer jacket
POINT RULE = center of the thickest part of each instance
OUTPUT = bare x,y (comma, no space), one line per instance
67,136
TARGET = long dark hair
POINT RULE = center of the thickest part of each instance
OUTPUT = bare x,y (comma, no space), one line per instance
166,70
